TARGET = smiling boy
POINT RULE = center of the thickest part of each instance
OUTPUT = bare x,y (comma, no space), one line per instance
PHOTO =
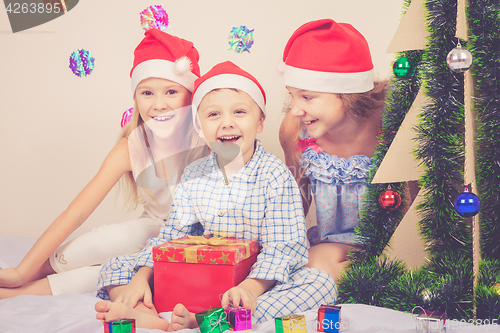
231,117
238,191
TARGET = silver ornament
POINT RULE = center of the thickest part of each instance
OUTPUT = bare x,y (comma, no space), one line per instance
459,59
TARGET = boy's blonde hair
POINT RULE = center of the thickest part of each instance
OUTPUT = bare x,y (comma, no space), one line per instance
262,113
359,106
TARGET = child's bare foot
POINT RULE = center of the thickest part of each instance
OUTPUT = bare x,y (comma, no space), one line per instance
144,317
182,318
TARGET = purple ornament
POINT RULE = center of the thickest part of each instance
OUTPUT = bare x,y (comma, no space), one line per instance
81,63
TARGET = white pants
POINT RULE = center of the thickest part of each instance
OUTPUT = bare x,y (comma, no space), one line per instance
78,261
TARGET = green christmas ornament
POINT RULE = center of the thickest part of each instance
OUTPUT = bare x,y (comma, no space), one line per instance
403,68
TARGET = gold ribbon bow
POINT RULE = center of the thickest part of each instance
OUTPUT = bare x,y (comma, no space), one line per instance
200,240
191,253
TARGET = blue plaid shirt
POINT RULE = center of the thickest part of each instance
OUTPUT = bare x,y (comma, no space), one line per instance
261,201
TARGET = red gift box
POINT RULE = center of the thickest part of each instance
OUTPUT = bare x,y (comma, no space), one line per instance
196,271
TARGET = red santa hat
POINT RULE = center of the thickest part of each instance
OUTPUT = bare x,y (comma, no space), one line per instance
226,75
165,56
327,56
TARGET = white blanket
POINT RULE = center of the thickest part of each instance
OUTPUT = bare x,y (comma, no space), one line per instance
75,313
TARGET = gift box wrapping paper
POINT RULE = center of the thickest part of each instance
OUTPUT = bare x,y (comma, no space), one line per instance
329,318
239,318
290,324
120,326
196,271
212,321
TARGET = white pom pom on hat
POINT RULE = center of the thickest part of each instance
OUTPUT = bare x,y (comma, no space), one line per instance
327,56
165,56
182,65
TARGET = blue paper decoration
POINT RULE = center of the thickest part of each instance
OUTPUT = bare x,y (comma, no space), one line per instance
241,39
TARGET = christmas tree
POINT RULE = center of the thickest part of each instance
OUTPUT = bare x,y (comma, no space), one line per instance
450,155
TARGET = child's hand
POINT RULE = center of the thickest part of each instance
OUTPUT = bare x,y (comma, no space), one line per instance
137,290
239,296
246,293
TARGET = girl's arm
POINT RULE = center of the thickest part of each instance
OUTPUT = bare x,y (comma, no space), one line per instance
116,164
289,134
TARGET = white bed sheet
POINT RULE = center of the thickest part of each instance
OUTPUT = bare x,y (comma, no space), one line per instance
75,313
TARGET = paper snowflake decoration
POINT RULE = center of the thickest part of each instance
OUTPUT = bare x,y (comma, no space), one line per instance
154,17
241,39
81,63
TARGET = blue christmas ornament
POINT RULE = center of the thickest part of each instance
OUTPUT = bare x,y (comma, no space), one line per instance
467,204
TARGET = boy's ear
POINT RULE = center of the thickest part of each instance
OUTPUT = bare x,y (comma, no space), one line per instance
197,126
196,121
260,125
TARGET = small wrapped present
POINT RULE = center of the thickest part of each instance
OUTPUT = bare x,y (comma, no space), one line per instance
290,324
431,322
239,318
195,271
120,326
212,321
329,318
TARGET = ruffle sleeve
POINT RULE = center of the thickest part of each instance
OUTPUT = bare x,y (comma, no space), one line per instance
332,169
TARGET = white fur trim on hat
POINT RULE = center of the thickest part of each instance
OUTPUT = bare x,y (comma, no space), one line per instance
226,81
163,69
340,83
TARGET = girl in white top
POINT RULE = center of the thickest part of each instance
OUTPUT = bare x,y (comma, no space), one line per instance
153,149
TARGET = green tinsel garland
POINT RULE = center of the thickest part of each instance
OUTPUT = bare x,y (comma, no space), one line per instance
441,137
484,30
376,224
484,33
488,301
367,280
369,283
409,290
445,283
441,149
441,291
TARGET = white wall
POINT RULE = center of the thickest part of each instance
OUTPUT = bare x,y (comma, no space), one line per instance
57,128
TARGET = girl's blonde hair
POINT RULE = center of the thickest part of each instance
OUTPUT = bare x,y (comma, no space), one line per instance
359,106
127,182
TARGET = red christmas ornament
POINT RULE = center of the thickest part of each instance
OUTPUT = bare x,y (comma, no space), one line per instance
389,199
